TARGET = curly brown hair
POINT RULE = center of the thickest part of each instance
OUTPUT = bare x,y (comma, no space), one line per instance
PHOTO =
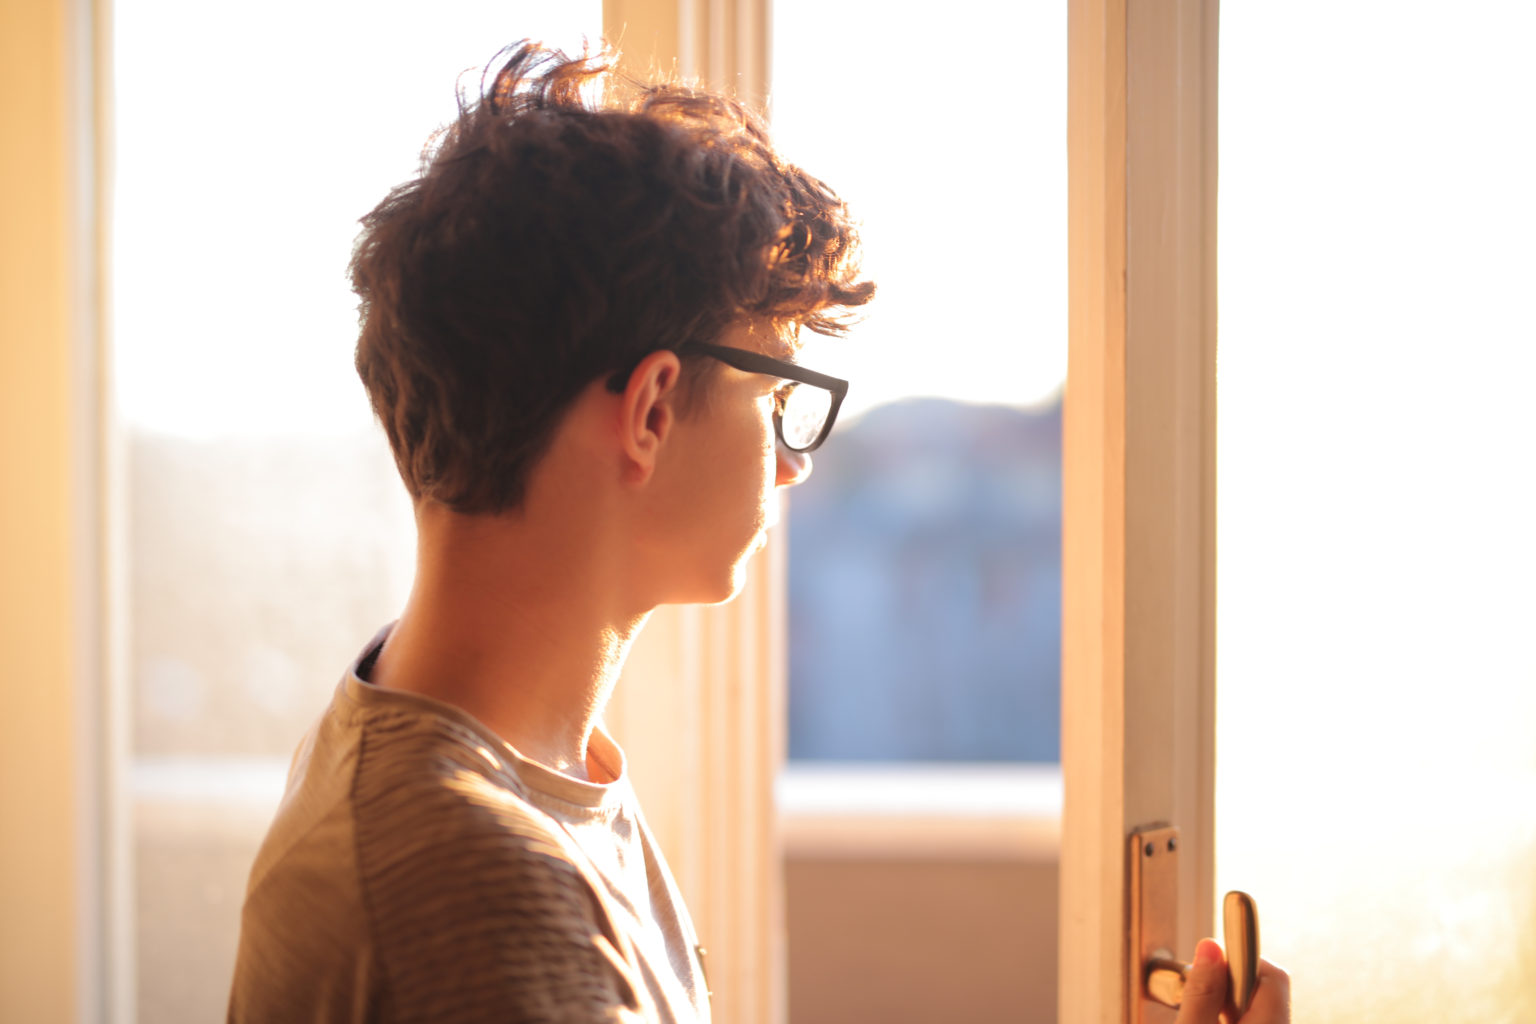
567,223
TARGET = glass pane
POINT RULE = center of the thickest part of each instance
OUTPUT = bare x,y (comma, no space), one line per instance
924,551
1377,770
268,535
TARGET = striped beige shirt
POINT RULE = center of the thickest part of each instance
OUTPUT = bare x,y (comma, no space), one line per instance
420,869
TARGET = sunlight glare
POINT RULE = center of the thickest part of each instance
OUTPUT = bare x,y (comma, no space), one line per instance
957,172
239,186
1377,694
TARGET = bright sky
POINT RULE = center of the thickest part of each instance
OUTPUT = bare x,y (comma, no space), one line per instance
237,197
957,168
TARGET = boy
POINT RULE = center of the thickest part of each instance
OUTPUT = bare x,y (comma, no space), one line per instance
578,326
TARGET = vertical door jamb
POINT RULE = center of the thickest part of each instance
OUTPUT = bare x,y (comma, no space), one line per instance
1138,683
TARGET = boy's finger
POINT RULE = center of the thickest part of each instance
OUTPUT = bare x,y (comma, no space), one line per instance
1205,987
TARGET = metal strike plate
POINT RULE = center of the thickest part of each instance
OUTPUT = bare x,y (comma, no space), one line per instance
1154,906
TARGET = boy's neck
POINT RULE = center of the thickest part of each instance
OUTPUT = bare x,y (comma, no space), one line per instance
518,624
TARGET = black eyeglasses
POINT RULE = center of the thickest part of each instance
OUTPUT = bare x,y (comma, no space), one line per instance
802,416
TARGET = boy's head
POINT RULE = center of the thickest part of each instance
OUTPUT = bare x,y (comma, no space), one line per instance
567,224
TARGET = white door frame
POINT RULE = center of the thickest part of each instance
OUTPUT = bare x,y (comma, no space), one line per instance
1138,681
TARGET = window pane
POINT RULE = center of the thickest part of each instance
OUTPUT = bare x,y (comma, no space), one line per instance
1377,775
268,535
924,552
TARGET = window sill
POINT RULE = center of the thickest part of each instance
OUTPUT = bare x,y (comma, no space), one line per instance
913,811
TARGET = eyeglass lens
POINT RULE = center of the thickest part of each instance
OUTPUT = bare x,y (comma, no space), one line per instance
803,416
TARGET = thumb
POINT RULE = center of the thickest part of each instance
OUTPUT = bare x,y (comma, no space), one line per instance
1205,988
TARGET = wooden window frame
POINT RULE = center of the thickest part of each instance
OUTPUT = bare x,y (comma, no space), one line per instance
1138,678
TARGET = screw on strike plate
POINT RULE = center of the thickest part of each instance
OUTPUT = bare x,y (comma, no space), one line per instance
1150,849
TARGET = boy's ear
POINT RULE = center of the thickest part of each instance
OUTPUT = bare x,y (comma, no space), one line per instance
648,411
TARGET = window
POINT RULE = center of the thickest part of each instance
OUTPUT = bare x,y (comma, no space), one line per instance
925,549
267,535
921,803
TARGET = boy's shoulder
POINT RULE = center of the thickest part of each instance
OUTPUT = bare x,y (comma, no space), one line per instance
380,776
408,847
427,782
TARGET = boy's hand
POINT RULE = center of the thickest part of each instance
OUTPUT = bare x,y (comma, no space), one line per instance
1205,991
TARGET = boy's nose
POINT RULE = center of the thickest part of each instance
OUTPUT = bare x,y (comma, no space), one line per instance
793,467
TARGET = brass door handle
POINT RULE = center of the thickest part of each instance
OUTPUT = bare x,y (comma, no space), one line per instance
1165,976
